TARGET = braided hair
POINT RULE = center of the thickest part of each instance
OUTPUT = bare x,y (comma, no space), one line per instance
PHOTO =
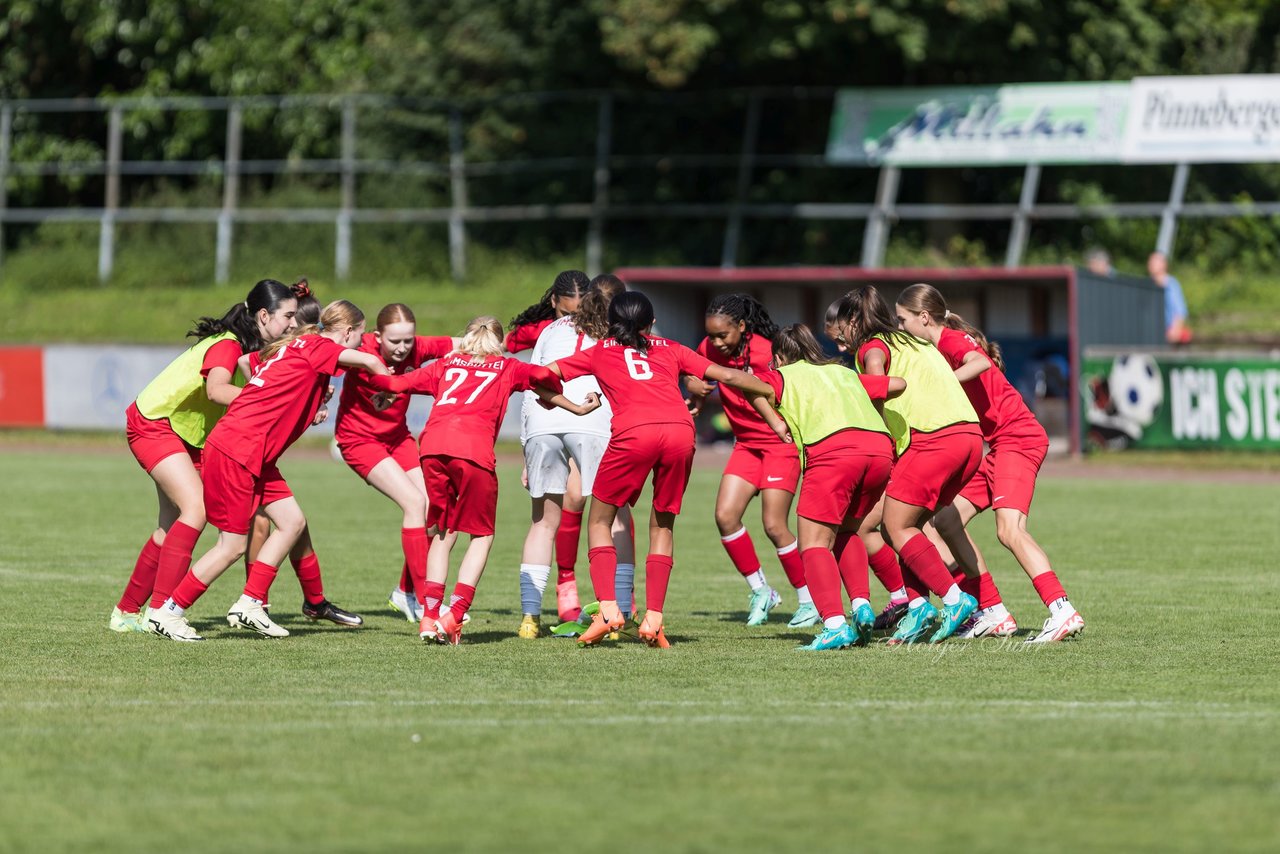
751,313
570,283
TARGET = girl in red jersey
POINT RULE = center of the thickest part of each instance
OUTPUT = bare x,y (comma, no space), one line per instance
240,473
651,431
167,426
1007,479
561,299
374,440
471,387
739,333
848,454
939,448
302,557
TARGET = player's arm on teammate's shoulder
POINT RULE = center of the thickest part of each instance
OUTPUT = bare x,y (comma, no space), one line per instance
219,388
367,362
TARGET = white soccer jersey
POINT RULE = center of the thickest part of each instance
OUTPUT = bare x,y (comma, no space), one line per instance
557,341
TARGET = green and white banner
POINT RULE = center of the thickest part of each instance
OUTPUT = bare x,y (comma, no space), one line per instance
1211,119
1139,400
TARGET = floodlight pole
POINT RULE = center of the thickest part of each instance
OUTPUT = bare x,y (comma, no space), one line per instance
746,164
230,194
1169,218
595,226
107,224
1021,226
876,235
458,202
6,136
342,247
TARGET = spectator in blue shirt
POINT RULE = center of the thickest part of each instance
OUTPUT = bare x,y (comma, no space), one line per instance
1176,330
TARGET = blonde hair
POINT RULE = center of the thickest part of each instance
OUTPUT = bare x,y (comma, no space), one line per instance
336,314
483,337
927,298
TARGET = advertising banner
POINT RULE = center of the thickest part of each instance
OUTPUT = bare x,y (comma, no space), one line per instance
1029,123
1139,400
1230,118
88,387
21,387
1223,119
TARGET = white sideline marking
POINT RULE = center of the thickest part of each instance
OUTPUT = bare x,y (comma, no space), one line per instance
1042,709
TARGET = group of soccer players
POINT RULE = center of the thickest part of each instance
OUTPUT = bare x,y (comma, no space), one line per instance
885,461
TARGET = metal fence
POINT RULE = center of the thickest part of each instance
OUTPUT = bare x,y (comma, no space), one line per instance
878,214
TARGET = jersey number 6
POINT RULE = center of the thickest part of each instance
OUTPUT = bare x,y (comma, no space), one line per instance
637,365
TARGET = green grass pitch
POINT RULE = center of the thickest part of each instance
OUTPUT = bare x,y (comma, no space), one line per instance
1158,730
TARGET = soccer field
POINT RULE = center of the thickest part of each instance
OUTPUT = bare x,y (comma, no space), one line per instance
1159,729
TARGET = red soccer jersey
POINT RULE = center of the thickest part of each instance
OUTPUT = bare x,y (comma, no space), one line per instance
358,419
748,427
278,403
1001,411
642,388
224,354
524,337
471,401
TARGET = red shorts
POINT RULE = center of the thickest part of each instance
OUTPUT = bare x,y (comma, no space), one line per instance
1009,474
664,449
936,466
844,476
461,496
363,456
232,494
766,466
152,441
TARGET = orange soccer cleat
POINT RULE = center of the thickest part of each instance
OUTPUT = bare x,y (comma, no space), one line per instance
653,634
605,622
450,629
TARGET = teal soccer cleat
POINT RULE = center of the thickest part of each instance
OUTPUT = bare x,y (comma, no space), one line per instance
805,616
864,621
916,624
763,601
953,616
832,639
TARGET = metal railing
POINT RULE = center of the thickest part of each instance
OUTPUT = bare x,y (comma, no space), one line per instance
879,214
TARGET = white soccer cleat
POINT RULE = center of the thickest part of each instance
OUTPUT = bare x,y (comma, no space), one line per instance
167,624
406,604
989,626
248,614
1059,628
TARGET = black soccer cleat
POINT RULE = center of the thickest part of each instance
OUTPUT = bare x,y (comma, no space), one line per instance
887,620
326,610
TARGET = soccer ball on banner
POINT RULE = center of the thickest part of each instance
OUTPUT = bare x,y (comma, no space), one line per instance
1137,389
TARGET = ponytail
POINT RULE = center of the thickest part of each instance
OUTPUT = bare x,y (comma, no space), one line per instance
927,298
861,315
336,315
747,310
796,343
483,337
240,320
630,314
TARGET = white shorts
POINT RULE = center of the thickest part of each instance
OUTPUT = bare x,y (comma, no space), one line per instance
546,459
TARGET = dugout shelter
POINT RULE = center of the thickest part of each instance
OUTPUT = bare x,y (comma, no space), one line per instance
1042,317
